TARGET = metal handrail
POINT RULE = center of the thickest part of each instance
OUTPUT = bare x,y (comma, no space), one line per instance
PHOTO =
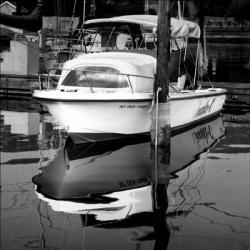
111,73
48,79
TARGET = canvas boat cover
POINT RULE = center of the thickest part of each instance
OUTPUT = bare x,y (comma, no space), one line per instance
179,28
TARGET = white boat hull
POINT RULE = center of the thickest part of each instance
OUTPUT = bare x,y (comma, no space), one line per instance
102,117
128,116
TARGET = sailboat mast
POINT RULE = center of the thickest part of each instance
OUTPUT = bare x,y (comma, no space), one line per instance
72,18
83,12
203,33
146,7
179,9
202,22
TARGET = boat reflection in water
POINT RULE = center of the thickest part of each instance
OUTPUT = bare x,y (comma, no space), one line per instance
112,186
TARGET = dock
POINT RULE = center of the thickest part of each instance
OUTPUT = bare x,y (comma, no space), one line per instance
236,92
19,85
236,109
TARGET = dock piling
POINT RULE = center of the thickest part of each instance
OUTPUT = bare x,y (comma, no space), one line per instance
160,128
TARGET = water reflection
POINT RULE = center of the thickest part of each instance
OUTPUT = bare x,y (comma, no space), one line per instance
114,189
229,63
82,169
21,127
25,132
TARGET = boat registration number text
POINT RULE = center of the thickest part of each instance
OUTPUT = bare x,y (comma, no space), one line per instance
134,106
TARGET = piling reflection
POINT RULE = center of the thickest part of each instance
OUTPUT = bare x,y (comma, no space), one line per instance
117,190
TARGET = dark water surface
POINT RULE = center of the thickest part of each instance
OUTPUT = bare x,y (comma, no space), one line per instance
229,62
59,195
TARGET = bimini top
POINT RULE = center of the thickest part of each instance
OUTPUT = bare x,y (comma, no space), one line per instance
179,28
110,70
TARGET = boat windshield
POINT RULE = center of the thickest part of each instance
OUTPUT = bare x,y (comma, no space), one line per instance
120,36
96,77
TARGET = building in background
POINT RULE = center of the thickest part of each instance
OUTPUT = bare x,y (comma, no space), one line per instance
10,8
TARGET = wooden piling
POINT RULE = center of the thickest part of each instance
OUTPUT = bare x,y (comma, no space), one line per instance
160,126
163,50
160,129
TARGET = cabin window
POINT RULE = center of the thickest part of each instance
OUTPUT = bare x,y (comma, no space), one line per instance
96,77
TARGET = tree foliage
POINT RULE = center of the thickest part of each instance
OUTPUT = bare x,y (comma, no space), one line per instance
223,8
240,11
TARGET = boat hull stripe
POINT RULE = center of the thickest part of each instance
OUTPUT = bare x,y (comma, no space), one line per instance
129,100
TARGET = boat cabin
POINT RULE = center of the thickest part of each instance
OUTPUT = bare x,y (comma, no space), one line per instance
116,70
110,71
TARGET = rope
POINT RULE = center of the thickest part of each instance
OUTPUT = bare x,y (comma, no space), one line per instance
156,141
157,114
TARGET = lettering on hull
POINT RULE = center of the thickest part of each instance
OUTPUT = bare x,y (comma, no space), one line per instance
204,108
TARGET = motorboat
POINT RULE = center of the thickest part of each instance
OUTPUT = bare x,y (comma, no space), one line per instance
103,96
